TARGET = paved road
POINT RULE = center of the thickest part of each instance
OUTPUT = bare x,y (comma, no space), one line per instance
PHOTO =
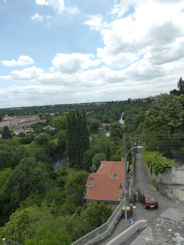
142,182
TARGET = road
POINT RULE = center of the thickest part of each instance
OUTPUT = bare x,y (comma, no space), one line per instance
142,182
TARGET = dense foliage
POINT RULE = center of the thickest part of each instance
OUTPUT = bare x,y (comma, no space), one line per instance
43,205
38,201
156,162
163,126
6,134
165,114
78,137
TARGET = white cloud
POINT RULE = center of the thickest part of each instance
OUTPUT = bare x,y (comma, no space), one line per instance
120,60
72,63
23,60
142,56
46,19
7,77
141,79
41,2
72,10
142,27
95,22
57,5
37,17
169,53
27,74
128,6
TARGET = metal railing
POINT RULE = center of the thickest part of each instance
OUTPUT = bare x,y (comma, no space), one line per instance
101,229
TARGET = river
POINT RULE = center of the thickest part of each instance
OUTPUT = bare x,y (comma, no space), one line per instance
107,131
63,161
60,162
121,119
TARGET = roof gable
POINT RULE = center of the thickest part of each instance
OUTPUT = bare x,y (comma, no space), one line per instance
104,185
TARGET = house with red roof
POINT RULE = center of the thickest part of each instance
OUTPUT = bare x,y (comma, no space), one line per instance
107,184
2,124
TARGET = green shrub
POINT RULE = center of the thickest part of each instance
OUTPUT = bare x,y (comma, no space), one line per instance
156,162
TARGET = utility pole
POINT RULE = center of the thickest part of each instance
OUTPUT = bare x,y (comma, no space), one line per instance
125,162
131,186
125,175
132,153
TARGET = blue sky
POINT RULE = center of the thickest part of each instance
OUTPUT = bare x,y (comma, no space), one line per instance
66,51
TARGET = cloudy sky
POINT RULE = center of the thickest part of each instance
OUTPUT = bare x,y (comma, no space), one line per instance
67,51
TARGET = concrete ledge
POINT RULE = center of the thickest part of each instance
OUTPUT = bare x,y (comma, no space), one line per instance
125,235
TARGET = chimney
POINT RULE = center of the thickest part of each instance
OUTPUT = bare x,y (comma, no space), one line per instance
115,176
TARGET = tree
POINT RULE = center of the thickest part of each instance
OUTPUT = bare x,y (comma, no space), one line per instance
38,127
6,134
96,161
17,227
43,236
166,114
78,137
116,130
108,153
60,122
74,190
25,179
139,119
96,214
94,124
22,134
163,126
100,143
62,138
42,139
4,174
10,156
60,176
87,159
27,139
36,225
92,217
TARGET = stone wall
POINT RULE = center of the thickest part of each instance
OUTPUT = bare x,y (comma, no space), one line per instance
178,175
170,184
172,176
130,231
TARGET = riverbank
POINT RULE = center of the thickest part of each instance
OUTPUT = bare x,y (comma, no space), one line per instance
60,162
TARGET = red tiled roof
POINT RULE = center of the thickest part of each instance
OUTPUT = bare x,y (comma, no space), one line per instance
106,185
4,123
111,167
14,121
18,120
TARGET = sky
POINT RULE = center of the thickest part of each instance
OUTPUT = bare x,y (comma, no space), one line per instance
68,51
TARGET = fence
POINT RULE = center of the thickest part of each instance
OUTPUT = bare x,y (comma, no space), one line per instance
104,230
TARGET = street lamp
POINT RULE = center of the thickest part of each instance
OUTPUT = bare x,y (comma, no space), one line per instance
125,177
